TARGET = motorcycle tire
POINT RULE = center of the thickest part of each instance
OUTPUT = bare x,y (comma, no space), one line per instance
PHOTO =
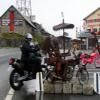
13,79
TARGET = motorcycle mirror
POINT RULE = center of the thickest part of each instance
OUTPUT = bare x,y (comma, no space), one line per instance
11,61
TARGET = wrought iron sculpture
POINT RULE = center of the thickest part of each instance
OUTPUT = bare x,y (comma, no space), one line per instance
62,69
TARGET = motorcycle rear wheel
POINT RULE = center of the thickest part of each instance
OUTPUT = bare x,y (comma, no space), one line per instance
14,83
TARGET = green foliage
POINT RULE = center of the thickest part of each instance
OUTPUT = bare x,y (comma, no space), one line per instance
11,36
10,39
38,38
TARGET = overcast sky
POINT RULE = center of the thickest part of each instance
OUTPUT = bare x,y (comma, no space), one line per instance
48,12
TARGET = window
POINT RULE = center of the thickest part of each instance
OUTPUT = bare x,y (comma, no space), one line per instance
89,30
5,22
90,21
93,20
95,29
18,22
97,20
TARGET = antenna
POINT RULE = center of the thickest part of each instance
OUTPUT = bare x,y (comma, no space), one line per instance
24,6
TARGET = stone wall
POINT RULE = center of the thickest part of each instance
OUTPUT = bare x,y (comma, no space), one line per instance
68,88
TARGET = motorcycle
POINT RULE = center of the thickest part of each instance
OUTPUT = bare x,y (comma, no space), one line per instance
20,74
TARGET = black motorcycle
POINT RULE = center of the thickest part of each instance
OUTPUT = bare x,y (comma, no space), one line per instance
20,74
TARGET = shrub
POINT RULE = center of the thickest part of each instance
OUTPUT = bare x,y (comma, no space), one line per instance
10,39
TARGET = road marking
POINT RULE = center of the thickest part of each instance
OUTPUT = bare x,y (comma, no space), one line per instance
10,94
38,85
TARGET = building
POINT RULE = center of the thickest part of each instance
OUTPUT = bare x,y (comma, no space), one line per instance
67,41
87,39
13,21
91,23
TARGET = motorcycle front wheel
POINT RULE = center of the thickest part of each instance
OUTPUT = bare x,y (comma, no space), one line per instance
14,83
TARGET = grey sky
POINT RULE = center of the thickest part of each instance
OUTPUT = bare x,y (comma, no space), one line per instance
48,12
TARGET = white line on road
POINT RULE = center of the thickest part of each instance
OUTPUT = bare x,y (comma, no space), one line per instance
10,94
30,88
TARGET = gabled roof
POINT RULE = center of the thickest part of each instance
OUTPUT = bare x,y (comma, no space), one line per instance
91,13
41,29
28,21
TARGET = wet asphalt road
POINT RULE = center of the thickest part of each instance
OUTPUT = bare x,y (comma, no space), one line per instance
41,96
5,54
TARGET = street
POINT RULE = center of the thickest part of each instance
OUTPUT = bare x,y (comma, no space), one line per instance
4,73
41,96
21,95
